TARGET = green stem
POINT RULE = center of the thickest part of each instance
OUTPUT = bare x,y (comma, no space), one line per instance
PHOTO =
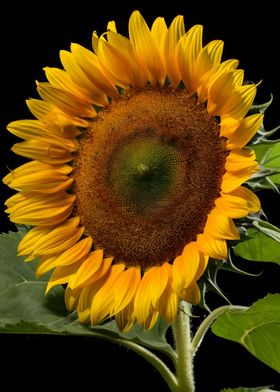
183,343
164,371
153,360
202,329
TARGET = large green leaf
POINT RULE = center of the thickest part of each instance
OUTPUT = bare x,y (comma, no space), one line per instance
153,339
268,229
258,247
268,155
257,329
241,389
24,308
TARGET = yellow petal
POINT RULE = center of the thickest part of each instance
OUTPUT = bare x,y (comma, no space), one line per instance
80,78
62,275
91,66
27,129
224,68
125,319
174,33
149,291
39,108
103,300
228,65
231,205
43,150
240,166
125,48
239,159
95,42
65,101
207,63
212,247
240,102
191,294
150,320
233,180
187,52
71,298
185,267
203,262
252,200
58,240
54,119
61,79
26,245
111,26
45,241
247,129
158,33
125,288
168,304
62,125
159,277
85,300
145,49
116,65
220,92
15,200
238,203
42,211
227,98
220,226
92,269
33,167
69,256
48,181
229,125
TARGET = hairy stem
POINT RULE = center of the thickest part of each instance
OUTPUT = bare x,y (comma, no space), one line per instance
153,360
184,349
202,329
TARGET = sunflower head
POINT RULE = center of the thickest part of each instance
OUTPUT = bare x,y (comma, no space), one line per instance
137,162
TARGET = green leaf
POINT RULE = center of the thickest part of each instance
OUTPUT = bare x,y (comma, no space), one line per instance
267,152
24,308
257,329
271,159
268,229
154,338
267,182
242,389
258,247
21,294
268,155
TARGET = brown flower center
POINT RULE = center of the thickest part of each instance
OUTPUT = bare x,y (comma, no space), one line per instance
147,173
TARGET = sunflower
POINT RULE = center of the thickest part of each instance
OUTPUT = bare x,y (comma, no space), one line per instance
137,162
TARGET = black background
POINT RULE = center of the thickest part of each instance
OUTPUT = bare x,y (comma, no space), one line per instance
31,37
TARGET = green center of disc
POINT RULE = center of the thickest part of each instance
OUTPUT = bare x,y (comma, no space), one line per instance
145,174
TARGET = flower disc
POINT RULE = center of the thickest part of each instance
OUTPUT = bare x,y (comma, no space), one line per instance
150,167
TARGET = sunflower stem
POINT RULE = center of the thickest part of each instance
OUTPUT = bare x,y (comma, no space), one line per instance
204,326
164,371
184,349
